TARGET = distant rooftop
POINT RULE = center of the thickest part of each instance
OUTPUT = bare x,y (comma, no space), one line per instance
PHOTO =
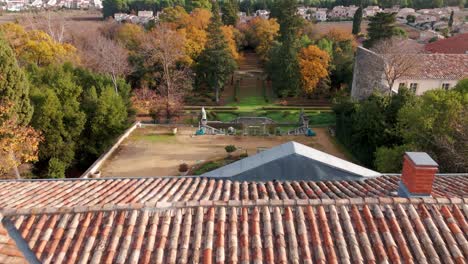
455,45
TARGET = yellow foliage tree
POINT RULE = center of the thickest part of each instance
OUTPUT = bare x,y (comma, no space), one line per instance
193,28
313,64
130,35
228,32
18,144
36,46
260,33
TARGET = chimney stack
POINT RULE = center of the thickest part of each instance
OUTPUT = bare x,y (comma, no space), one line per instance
418,175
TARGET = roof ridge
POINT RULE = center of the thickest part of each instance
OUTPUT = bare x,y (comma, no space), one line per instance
163,206
201,177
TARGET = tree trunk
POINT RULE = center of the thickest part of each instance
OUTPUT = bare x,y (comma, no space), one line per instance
217,94
15,168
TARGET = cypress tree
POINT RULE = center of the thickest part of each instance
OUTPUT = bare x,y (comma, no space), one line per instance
14,86
283,64
450,22
381,26
230,10
215,63
357,19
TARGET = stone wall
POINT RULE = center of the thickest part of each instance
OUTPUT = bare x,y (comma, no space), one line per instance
367,74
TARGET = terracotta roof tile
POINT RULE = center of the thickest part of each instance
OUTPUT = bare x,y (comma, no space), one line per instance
391,232
97,192
454,45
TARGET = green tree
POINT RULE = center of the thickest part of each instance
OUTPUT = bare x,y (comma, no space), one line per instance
215,63
382,26
283,64
437,3
357,20
390,159
230,9
58,116
192,4
14,87
110,7
437,123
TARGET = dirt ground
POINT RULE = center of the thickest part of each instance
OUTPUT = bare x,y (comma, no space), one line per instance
153,152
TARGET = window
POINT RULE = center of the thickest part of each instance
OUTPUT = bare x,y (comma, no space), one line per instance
446,86
401,85
413,87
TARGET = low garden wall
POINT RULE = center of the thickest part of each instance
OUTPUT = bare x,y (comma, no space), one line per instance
94,169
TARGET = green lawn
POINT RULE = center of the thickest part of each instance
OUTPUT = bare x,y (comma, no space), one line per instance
154,138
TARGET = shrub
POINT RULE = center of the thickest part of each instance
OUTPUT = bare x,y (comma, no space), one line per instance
230,148
56,168
244,155
183,167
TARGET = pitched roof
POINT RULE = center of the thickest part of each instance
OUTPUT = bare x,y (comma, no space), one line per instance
24,194
292,161
9,251
439,66
292,231
455,45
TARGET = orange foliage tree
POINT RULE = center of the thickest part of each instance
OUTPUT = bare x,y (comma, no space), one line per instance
260,34
313,64
229,35
18,144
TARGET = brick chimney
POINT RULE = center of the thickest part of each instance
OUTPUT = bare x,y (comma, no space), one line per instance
418,175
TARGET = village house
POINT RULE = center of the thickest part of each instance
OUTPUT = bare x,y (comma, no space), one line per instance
321,14
426,72
342,12
454,45
418,216
265,14
370,11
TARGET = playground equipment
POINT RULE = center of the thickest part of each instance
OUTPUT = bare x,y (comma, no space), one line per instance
205,129
304,128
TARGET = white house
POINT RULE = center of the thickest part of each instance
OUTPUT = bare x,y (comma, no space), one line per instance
343,12
321,14
429,72
370,11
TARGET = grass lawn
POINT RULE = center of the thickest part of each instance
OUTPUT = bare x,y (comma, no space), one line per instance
154,138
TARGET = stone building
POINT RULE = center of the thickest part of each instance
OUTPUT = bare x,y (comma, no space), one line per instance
428,72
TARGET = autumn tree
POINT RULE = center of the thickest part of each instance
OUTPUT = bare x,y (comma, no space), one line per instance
18,143
314,64
215,63
230,8
165,49
14,86
37,47
260,34
398,59
108,57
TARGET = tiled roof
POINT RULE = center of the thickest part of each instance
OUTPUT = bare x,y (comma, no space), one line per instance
440,66
91,192
385,230
454,45
9,251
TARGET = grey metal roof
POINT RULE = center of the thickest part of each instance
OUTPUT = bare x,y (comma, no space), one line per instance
292,161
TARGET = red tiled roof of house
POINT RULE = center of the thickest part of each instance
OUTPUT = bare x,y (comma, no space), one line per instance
356,230
93,192
454,45
192,219
439,67
9,251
